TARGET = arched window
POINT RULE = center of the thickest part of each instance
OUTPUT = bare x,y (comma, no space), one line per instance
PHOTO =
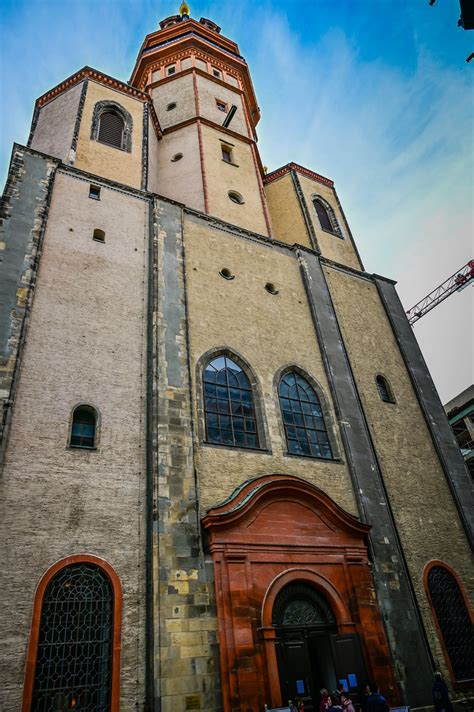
454,621
112,124
228,404
323,216
303,419
326,216
384,389
83,427
111,129
74,646
301,605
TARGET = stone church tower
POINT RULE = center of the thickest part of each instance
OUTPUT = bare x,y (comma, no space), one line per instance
227,478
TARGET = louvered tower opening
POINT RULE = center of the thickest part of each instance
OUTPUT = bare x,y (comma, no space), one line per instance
111,129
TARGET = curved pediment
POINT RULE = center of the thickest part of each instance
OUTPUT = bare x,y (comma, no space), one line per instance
278,508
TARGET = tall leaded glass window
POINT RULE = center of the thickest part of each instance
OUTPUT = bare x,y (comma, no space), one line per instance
228,404
454,621
303,419
73,665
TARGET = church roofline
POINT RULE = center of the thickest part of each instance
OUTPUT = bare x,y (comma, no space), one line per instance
91,73
280,172
108,81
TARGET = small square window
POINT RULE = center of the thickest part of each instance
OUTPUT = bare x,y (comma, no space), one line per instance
94,192
227,154
221,105
216,72
171,70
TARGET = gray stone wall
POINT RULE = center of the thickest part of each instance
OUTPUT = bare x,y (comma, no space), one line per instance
23,214
186,659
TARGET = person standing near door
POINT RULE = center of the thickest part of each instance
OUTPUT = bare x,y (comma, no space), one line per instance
441,699
375,701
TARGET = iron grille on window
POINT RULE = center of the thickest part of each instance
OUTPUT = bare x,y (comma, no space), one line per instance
83,427
303,418
73,668
454,621
228,405
111,129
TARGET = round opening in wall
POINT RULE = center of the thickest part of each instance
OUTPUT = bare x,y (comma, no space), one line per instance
171,106
271,289
176,157
226,273
235,197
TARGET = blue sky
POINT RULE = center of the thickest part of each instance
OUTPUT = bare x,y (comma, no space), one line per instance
375,94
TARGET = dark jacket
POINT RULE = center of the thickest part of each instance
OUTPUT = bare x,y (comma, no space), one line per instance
441,696
376,703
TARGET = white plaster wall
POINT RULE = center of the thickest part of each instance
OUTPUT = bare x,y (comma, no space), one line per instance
179,90
208,92
85,343
181,180
55,126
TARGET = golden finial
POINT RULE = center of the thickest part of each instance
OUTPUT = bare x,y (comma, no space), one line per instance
184,9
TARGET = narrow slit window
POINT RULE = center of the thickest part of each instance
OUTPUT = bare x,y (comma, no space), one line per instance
384,389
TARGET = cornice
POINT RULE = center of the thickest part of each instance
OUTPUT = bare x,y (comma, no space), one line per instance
89,72
280,172
212,125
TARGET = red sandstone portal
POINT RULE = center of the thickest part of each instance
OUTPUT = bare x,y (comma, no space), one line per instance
272,532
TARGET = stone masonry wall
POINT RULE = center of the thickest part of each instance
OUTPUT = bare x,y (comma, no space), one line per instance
185,641
269,332
424,511
23,213
85,344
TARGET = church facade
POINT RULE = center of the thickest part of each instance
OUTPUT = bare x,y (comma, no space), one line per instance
227,479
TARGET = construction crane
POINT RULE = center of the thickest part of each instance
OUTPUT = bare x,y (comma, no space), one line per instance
459,280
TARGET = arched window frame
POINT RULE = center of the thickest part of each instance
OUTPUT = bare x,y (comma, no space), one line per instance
103,106
98,420
438,563
328,417
336,228
32,653
257,393
387,386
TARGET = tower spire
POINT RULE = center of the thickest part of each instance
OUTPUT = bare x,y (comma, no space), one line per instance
184,10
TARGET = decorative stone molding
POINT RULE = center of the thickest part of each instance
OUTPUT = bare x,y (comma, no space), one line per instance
336,228
107,105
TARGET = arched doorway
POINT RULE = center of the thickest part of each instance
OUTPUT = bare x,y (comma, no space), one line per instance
279,535
304,625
